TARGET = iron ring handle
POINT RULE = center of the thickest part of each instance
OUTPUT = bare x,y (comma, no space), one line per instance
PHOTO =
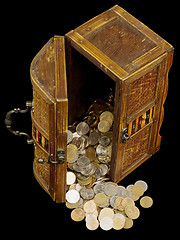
8,121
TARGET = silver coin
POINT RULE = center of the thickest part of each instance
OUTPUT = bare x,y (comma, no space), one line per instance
121,191
112,201
82,128
83,161
99,188
87,193
69,136
104,141
76,167
143,184
104,169
106,223
110,189
81,177
101,151
72,196
89,170
94,137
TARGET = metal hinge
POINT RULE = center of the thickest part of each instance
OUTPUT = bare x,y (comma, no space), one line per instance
60,158
125,135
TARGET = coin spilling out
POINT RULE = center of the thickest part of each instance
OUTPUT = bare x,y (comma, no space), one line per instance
146,202
90,194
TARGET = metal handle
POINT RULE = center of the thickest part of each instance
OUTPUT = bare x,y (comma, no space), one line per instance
8,121
60,156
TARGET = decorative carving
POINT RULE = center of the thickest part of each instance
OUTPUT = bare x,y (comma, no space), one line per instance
142,90
43,170
136,147
41,111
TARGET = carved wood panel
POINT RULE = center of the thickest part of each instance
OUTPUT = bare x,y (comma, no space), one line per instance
43,170
142,91
41,111
136,147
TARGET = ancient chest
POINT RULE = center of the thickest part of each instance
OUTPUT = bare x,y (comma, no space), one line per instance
115,61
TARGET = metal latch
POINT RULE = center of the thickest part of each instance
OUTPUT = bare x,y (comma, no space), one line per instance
125,135
60,158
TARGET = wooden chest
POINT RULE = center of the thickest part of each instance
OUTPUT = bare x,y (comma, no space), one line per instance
111,51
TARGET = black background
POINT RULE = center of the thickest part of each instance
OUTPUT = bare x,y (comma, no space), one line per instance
28,210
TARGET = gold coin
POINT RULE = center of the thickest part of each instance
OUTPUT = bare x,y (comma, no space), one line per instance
77,214
100,199
128,223
72,205
135,197
118,223
85,181
108,119
132,212
92,224
91,153
146,202
118,202
127,201
137,190
89,206
104,126
107,114
72,152
106,212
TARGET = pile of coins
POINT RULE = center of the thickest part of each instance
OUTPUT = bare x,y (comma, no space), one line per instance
89,148
89,193
106,204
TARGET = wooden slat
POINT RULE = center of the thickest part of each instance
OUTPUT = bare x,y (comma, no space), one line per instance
104,62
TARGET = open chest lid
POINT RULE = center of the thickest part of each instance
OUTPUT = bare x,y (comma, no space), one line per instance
117,43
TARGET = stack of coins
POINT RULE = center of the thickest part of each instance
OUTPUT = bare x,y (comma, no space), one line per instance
107,205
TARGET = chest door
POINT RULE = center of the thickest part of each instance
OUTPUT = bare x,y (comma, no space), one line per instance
50,117
140,106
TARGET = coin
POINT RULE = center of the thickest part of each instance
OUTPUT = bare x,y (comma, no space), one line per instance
89,216
82,128
99,188
118,223
104,126
120,215
70,178
100,199
85,182
77,214
106,212
143,184
72,196
107,114
94,137
87,193
89,206
118,203
92,224
137,190
104,141
110,189
132,211
106,223
146,202
91,153
101,151
72,153
128,223
69,136
83,161
126,202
